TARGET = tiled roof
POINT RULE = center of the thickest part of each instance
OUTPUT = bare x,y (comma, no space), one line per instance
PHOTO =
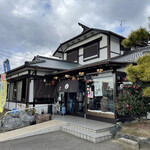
131,56
52,63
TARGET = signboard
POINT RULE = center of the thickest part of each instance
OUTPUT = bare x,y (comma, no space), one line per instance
3,92
70,86
90,94
98,89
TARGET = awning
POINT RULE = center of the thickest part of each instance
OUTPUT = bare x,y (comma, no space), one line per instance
69,86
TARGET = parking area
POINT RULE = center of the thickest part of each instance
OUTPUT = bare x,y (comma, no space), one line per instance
56,141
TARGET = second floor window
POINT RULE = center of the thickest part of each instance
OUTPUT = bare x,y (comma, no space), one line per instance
72,56
91,51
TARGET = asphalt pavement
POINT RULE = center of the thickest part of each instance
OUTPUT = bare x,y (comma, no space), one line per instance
56,141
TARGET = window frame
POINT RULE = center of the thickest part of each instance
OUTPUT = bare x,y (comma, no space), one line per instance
94,56
77,51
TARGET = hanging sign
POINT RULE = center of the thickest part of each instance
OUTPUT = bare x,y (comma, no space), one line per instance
3,92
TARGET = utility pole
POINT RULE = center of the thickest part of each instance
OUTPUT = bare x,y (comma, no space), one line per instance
121,22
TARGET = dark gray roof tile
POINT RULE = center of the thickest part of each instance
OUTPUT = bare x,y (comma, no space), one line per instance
131,56
53,63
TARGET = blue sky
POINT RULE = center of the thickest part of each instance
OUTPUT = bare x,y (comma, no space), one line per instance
37,27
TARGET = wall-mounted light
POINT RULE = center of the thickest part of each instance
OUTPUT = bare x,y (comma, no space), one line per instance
67,75
81,73
56,78
73,78
100,70
44,80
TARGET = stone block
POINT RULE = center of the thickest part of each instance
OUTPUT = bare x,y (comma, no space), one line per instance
42,118
129,143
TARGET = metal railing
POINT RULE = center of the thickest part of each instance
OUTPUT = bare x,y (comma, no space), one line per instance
54,107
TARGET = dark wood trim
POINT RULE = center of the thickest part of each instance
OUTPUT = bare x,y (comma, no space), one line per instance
80,55
91,58
115,91
21,102
115,53
95,40
32,67
27,88
34,103
18,78
103,47
109,47
60,52
85,96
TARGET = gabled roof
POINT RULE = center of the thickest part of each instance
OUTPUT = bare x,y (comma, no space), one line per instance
86,33
45,64
132,56
52,63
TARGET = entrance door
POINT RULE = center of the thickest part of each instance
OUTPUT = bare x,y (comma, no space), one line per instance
71,103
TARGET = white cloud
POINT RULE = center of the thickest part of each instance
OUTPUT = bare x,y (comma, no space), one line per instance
37,27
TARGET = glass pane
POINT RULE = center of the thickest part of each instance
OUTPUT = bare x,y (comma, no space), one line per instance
100,95
71,102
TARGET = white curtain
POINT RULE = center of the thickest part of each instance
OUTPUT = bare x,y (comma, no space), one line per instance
19,90
11,91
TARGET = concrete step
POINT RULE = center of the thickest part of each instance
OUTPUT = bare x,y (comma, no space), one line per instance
87,135
95,130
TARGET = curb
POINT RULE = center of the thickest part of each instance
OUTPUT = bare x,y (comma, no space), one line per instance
143,143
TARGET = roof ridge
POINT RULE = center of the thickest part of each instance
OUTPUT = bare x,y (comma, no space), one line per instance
38,56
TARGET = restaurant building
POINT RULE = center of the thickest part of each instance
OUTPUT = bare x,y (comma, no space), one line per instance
85,78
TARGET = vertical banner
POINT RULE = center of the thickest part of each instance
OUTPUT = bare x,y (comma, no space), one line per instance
3,92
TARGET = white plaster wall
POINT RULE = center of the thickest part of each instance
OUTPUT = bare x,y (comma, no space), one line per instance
148,116
31,91
21,106
17,75
38,109
122,52
40,73
12,105
23,73
81,51
87,41
114,44
65,56
103,42
103,54
14,76
6,106
122,69
113,55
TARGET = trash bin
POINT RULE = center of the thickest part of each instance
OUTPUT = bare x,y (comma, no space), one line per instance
63,111
50,109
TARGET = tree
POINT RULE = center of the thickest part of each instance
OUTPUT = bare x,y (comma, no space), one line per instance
140,72
135,97
139,38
